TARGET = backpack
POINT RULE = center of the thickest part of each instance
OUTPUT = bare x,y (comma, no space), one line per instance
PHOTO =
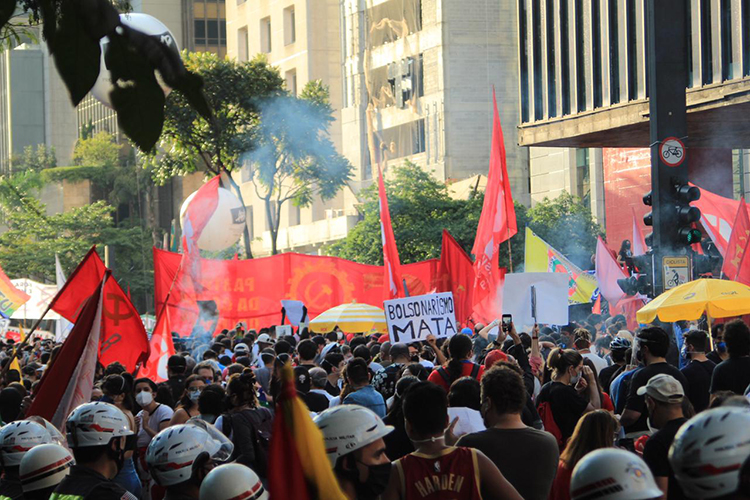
545,414
251,436
447,378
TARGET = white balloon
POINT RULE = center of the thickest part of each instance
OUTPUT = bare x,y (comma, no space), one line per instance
145,24
225,226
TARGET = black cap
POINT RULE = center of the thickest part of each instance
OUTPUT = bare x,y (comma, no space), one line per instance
176,361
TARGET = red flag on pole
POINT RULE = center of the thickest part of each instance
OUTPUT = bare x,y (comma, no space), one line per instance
394,286
123,336
69,380
498,220
81,284
608,271
639,241
161,349
456,275
734,260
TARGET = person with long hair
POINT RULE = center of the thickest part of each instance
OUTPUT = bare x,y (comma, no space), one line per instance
247,424
188,405
595,430
116,390
459,363
571,381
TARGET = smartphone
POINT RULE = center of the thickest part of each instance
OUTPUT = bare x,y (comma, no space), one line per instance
507,320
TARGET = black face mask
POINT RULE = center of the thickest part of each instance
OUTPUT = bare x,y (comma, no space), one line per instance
377,481
118,456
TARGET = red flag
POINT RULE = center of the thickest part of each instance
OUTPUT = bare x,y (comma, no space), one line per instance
456,275
639,241
161,349
86,278
491,307
734,259
394,285
498,220
608,271
123,338
69,380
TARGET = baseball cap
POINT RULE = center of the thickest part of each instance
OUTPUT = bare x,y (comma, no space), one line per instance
265,338
467,331
176,361
493,357
664,388
241,348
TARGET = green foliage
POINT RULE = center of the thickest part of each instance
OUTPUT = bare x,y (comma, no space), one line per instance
421,208
295,159
35,159
233,89
99,150
75,173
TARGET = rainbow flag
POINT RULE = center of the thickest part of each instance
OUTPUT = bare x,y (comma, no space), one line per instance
11,298
298,466
542,258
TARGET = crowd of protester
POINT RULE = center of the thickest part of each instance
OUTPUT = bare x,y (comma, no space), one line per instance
590,410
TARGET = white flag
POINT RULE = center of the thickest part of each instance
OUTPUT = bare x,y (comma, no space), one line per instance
63,326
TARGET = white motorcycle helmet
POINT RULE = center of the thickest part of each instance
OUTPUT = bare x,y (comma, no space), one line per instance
613,474
709,450
45,467
348,428
17,438
96,424
172,453
232,481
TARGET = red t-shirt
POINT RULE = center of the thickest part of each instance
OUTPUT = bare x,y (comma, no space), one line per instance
453,473
436,378
607,402
561,486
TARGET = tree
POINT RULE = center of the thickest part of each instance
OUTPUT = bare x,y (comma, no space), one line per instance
35,159
421,208
295,159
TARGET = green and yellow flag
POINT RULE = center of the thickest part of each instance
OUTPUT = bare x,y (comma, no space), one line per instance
542,258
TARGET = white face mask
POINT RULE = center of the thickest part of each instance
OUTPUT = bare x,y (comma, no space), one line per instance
144,398
575,379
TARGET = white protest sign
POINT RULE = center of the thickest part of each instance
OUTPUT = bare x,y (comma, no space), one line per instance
551,298
414,318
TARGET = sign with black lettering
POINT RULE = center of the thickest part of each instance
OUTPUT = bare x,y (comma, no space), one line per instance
414,318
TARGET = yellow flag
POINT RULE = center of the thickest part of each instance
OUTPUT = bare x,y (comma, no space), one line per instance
540,257
14,365
22,333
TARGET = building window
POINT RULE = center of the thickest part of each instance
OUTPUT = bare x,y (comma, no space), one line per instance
614,54
565,56
706,56
200,32
580,57
746,37
393,143
291,81
209,27
250,222
242,44
523,55
265,35
727,62
551,76
391,20
582,176
596,52
632,36
290,26
536,16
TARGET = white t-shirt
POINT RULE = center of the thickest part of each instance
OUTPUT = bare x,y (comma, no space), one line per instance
160,414
599,363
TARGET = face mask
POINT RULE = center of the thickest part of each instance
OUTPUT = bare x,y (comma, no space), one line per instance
377,481
144,398
575,379
721,347
194,396
684,352
106,399
651,428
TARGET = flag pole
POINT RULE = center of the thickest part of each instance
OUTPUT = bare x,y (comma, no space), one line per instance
510,255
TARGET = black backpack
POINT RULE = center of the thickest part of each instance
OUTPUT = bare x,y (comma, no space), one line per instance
251,436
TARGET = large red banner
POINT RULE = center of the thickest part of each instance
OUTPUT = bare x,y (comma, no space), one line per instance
251,290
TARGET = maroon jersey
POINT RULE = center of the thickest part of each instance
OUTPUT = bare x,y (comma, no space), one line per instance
452,474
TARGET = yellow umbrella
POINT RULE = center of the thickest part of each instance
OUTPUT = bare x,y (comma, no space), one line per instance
351,318
716,298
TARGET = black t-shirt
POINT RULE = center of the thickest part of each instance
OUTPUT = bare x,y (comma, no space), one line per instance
90,485
332,389
641,378
656,453
11,488
732,374
315,402
715,357
566,404
698,375
532,464
607,375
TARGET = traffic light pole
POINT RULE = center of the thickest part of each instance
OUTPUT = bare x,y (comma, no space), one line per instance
667,79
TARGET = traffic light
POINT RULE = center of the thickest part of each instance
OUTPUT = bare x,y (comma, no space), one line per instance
642,280
648,219
686,215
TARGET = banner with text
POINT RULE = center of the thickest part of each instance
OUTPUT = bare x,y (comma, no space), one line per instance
414,318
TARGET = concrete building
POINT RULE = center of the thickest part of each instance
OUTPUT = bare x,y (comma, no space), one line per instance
582,78
417,85
35,106
303,41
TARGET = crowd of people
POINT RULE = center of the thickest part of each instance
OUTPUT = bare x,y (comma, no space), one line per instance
590,410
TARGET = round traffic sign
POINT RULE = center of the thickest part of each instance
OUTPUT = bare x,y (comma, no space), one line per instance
672,151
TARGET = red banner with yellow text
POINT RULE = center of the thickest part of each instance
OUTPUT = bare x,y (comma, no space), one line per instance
251,290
